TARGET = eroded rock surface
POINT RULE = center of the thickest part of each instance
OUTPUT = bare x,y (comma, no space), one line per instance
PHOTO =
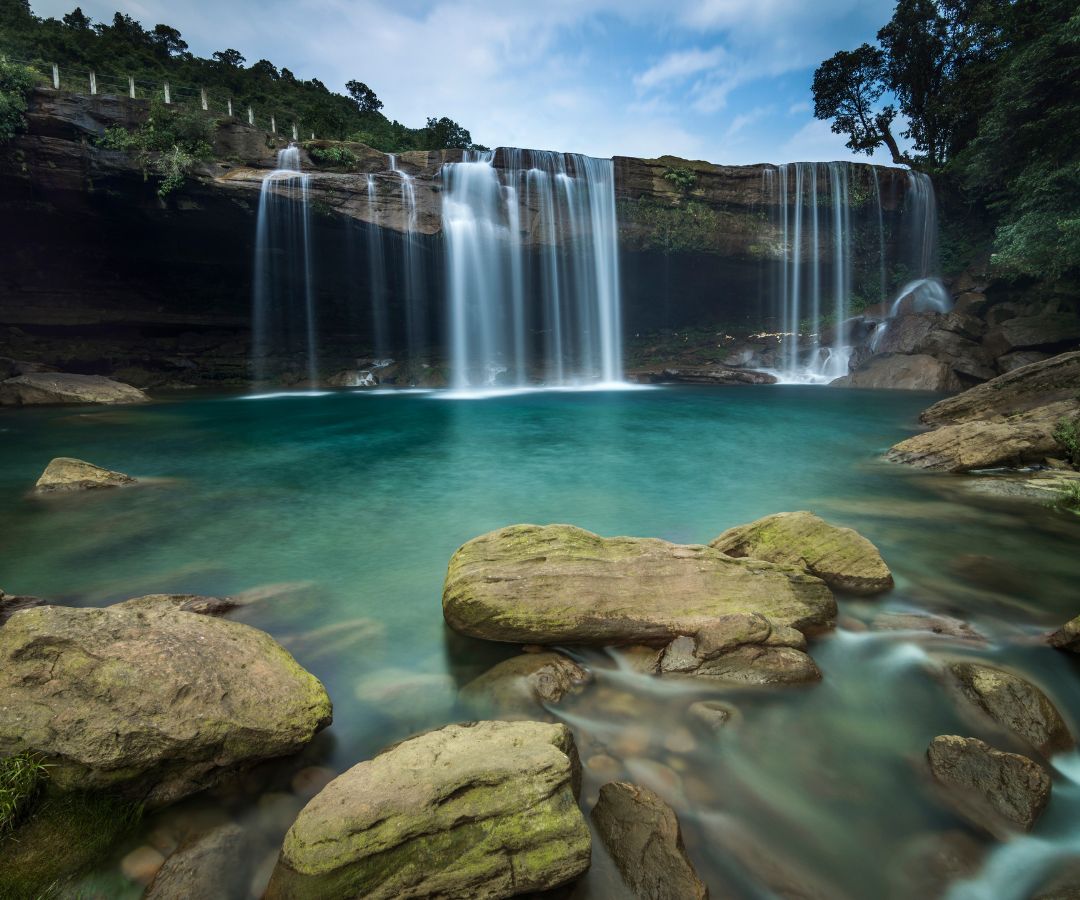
916,372
642,834
558,583
841,557
49,388
65,474
154,704
1067,637
193,603
212,866
994,790
518,687
10,604
482,810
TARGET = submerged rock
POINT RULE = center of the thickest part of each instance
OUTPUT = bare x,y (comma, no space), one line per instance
558,583
943,626
994,790
841,557
193,603
518,687
931,863
213,865
66,474
642,834
714,714
1067,637
151,704
743,649
45,388
1015,704
700,375
481,810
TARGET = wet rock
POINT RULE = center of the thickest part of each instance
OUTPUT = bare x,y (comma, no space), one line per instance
700,375
713,714
66,474
742,649
192,603
557,583
482,810
1009,361
214,865
142,864
993,790
944,626
1067,637
641,659
310,780
1015,704
929,865
151,704
50,388
519,687
413,700
10,604
841,557
1045,332
917,372
642,834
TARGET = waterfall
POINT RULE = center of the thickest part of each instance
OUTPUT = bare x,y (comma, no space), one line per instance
532,279
413,286
925,293
284,301
377,273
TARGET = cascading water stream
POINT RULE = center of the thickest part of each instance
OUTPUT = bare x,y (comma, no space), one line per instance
531,249
284,301
412,282
925,293
376,259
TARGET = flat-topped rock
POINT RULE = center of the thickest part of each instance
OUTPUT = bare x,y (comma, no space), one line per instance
642,834
153,704
562,584
50,388
193,603
1015,704
66,474
481,810
841,557
899,371
993,790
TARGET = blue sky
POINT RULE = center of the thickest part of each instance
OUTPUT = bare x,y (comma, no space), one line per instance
723,80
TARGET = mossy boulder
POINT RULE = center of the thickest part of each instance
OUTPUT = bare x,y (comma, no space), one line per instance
841,557
50,388
642,834
64,474
996,791
561,584
1015,704
150,705
518,688
480,810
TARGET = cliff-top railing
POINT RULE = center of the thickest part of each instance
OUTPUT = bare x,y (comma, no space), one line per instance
92,83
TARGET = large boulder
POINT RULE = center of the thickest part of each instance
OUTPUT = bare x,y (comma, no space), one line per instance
1067,637
741,649
480,810
1015,704
519,687
993,790
915,372
149,704
1045,332
642,834
50,388
64,474
841,557
562,584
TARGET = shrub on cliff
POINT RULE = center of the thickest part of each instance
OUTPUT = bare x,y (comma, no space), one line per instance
15,84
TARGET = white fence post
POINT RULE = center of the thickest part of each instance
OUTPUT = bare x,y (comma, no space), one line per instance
93,83
295,133
273,125
202,96
168,96
131,86
56,76
251,116
313,135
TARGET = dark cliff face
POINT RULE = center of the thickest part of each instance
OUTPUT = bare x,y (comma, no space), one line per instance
100,275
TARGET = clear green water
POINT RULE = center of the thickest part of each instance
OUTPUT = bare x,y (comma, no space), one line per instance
341,511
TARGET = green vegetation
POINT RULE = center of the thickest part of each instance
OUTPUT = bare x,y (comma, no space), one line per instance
20,780
687,227
123,47
1070,498
983,86
341,157
168,144
683,179
15,84
1067,433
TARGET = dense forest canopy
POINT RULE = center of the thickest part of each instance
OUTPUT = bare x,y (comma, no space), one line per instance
989,93
123,47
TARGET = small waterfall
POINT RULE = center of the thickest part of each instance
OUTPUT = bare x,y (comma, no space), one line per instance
284,301
531,249
413,286
925,293
376,261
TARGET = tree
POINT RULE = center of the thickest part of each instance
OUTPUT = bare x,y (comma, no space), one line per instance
847,89
446,133
233,59
16,82
168,41
77,20
366,101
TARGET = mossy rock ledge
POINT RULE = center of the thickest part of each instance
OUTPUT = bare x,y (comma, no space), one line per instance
841,557
479,810
549,584
149,704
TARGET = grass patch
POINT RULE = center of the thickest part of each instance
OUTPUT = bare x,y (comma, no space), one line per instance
21,778
1067,433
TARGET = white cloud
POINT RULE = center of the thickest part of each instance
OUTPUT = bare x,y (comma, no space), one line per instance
678,66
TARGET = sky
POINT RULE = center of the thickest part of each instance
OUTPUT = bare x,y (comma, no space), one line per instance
726,81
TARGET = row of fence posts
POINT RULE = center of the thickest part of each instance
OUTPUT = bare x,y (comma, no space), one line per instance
168,100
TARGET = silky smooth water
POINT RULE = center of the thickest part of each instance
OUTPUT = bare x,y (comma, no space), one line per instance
341,510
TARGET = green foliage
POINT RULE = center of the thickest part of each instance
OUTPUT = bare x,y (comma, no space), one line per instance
688,227
20,780
168,144
1067,433
340,157
1070,498
123,47
683,179
16,83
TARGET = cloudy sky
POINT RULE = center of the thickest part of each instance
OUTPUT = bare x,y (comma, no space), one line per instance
722,80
